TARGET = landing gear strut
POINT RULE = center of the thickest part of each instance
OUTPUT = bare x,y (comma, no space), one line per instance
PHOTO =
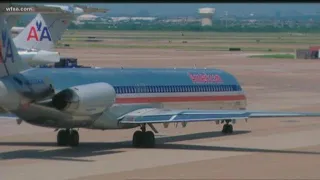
227,128
143,138
68,137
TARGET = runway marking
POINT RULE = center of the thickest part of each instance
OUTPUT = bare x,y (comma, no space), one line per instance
172,154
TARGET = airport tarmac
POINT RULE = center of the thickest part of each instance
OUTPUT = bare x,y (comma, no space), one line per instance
285,148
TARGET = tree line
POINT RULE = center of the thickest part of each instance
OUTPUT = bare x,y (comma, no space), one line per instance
193,27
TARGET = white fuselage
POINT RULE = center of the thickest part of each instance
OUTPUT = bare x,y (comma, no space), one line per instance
16,30
35,58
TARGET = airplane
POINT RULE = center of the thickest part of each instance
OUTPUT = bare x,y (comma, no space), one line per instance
43,32
36,42
118,98
75,10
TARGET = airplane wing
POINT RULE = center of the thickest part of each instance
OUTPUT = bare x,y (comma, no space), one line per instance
154,115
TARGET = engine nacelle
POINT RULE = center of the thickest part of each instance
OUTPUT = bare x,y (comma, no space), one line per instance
86,99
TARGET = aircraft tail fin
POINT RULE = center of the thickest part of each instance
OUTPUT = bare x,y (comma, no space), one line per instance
35,35
10,61
58,24
43,32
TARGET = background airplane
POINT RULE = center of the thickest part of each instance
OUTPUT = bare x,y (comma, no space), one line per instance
53,9
36,42
116,98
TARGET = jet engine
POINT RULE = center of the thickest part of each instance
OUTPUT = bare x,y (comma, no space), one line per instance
86,99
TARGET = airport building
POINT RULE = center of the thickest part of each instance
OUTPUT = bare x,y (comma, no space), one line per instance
206,16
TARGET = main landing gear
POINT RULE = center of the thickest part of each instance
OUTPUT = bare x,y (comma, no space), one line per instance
68,137
227,128
143,138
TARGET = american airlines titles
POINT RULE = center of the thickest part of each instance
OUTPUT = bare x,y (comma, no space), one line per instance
205,78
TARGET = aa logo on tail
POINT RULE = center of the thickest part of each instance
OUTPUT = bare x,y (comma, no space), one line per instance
6,47
43,31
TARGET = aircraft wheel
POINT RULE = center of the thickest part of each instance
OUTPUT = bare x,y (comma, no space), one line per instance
137,139
227,129
149,140
230,129
73,138
62,138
